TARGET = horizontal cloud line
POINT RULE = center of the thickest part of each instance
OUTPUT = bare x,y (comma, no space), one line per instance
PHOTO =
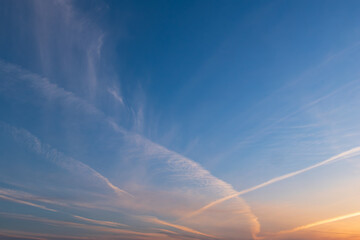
326,221
51,154
189,169
176,226
78,225
25,203
100,222
340,156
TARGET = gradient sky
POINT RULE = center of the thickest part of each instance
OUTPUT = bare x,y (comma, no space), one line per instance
179,120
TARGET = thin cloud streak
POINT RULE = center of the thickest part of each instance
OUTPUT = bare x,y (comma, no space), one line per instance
52,91
326,221
56,157
27,197
25,203
340,156
307,106
116,96
38,236
178,163
99,222
22,235
49,90
78,225
179,227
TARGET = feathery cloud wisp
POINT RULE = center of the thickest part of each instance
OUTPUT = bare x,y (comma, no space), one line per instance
58,158
340,156
183,167
179,227
330,220
69,224
100,222
116,95
25,203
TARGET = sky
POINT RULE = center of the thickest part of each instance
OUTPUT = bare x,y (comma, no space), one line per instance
202,119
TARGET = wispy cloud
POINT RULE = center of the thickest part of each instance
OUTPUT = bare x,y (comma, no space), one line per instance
322,222
80,42
57,157
341,156
78,225
180,166
12,74
26,197
11,199
176,226
100,222
184,169
23,235
189,168
116,95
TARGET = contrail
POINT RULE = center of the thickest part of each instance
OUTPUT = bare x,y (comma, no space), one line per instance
51,154
100,222
330,220
182,228
87,227
25,203
189,169
343,155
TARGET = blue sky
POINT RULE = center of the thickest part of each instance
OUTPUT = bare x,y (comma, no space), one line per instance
179,119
